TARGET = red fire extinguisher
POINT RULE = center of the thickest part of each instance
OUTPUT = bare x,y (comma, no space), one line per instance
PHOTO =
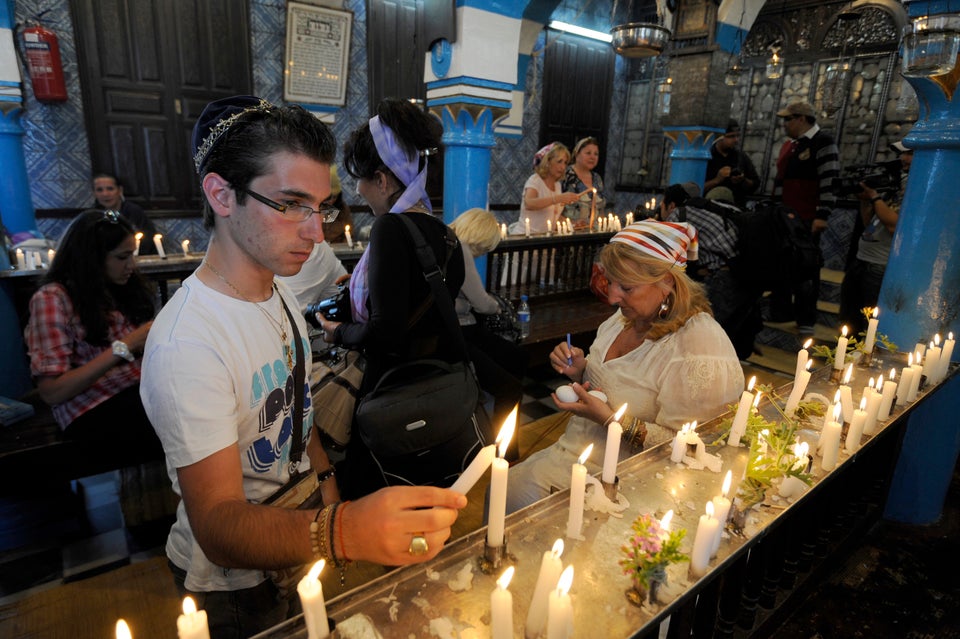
44,64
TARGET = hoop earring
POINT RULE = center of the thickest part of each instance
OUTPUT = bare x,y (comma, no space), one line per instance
664,311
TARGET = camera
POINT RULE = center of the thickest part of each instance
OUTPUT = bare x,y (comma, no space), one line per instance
335,309
883,178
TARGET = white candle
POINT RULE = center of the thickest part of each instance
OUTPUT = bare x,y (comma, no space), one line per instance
123,630
526,224
158,242
846,396
834,408
550,226
703,542
137,236
475,470
945,356
347,236
887,396
680,444
920,349
560,608
803,356
311,599
871,337
721,506
841,357
192,624
906,378
917,369
578,485
873,398
831,441
611,454
501,607
31,260
792,486
550,567
21,260
503,231
50,255
855,431
185,246
497,511
799,387
931,364
739,425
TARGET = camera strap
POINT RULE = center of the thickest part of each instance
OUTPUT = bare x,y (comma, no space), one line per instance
296,444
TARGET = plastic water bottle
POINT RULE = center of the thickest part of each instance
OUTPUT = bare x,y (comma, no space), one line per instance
523,315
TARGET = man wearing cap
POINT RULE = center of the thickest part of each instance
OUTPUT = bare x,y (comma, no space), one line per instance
224,384
731,167
807,166
877,222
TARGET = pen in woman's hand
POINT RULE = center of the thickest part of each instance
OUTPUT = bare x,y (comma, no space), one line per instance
569,351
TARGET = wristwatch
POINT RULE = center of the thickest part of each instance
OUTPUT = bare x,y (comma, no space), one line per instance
120,349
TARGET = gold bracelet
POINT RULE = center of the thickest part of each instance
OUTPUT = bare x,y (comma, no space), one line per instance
636,433
318,533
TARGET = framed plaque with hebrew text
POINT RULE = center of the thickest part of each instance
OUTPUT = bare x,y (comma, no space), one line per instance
317,56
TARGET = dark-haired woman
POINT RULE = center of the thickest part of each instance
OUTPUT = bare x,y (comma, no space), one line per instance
582,178
394,319
88,324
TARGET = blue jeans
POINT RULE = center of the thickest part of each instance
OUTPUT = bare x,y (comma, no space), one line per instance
237,614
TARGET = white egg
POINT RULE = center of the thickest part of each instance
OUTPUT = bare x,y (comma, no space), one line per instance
599,394
566,393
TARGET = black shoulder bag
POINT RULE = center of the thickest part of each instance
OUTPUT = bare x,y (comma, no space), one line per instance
423,421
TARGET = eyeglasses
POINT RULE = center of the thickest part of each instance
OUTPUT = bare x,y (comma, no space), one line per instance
296,212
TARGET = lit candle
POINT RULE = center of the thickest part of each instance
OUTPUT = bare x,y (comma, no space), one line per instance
550,226
137,236
803,356
931,364
703,542
611,455
192,624
185,246
945,356
158,242
123,630
841,357
31,260
855,431
799,387
475,470
665,522
830,437
739,425
680,444
871,337
578,485
833,408
347,236
526,224
874,398
21,260
550,567
846,396
501,607
50,255
560,609
503,231
906,378
721,506
497,512
887,396
311,598
593,205
917,369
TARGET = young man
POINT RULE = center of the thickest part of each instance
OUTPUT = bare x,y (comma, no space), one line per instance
730,167
218,382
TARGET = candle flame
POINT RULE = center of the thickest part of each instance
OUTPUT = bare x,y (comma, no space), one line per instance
876,312
872,383
667,518
809,364
910,359
836,412
844,330
506,431
619,413
158,236
189,605
709,509
585,454
138,236
807,344
346,228
836,396
756,400
936,339
893,374
566,580
950,335
557,549
800,449
123,630
848,374
693,426
863,403
315,570
505,578
753,380
726,483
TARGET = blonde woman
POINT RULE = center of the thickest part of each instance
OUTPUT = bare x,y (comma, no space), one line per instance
543,196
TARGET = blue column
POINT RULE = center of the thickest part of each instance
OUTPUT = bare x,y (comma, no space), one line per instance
15,205
920,295
691,152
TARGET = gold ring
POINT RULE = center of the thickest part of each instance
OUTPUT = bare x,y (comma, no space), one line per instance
418,545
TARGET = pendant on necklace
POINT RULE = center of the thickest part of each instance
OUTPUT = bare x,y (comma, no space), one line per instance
289,354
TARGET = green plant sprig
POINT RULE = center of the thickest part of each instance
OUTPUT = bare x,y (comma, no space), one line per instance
778,461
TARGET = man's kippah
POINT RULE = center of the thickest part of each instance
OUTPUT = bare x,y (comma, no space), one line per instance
216,118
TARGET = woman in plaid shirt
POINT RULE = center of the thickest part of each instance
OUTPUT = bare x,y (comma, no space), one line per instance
88,324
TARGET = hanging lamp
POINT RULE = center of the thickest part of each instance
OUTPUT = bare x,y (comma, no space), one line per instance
639,39
930,45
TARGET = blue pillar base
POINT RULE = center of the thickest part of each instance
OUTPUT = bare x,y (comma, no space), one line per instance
14,374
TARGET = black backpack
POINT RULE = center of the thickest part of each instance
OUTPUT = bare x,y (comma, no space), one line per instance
775,246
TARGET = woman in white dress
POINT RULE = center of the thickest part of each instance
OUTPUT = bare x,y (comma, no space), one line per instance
543,196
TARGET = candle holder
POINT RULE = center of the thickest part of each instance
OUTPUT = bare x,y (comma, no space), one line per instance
610,490
866,360
494,556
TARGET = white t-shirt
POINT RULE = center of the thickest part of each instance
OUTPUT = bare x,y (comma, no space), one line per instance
539,217
215,374
317,278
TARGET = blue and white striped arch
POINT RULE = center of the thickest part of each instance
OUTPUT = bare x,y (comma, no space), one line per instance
734,19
